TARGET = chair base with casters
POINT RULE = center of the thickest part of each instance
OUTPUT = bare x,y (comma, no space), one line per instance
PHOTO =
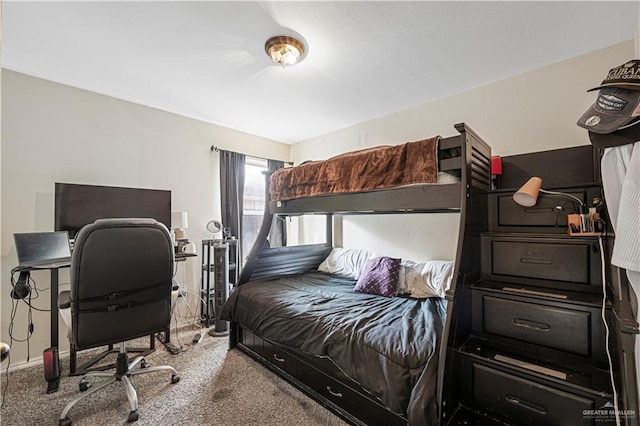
124,370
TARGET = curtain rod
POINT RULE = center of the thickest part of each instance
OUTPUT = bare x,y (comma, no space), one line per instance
216,149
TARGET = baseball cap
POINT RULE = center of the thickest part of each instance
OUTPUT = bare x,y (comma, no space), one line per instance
614,108
626,76
629,134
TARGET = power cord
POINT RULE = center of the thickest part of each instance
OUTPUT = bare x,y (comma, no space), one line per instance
29,294
191,315
5,386
606,327
560,208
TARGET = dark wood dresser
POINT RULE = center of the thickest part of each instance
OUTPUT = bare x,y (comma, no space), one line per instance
535,353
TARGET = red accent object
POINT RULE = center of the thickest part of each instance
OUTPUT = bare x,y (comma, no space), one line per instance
496,165
51,363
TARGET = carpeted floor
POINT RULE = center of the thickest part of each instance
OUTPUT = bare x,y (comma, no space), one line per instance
217,387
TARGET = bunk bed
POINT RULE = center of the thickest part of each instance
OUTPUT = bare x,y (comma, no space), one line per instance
317,333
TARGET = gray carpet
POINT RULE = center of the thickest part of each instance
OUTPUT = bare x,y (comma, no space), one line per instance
217,387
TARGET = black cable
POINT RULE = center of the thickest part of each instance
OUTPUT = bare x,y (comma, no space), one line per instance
34,293
606,328
11,340
32,289
14,310
34,308
5,388
561,208
27,301
29,328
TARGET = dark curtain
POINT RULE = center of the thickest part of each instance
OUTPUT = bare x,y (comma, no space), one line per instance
232,192
278,232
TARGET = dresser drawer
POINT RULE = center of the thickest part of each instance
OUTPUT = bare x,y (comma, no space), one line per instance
568,328
560,262
527,401
505,215
569,263
558,328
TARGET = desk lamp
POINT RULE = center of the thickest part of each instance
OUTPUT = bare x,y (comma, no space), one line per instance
527,196
179,222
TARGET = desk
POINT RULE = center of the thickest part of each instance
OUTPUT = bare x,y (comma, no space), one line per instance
54,363
165,336
54,382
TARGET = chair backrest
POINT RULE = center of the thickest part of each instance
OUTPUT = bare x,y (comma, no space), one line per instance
121,279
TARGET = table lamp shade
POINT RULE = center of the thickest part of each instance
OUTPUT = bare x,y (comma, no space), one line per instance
179,220
527,195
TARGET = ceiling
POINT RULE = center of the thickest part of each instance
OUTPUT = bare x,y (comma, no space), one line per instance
206,60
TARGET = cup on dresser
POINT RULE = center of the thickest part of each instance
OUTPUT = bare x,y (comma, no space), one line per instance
189,248
180,243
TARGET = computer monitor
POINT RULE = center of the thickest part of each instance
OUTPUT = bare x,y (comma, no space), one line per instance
77,205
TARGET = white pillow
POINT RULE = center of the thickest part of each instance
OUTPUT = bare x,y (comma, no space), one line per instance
342,261
429,279
402,278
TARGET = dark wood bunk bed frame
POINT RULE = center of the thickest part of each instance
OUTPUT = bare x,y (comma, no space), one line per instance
466,156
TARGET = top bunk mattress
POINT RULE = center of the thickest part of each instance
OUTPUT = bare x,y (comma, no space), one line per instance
358,171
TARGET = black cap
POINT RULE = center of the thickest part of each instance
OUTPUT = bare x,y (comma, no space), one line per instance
629,134
615,108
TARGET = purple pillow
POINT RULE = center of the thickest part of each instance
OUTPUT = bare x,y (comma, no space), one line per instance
379,276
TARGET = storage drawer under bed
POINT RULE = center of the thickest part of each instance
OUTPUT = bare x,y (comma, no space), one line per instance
349,400
283,359
345,397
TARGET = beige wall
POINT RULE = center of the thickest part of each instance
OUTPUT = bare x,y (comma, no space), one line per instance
56,133
528,112
533,111
53,132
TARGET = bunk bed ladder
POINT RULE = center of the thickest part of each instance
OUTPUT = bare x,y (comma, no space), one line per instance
476,178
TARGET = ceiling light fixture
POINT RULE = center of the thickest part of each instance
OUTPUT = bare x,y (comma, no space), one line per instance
284,50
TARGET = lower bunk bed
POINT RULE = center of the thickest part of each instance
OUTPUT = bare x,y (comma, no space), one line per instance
371,358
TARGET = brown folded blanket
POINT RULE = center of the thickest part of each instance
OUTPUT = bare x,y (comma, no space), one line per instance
368,169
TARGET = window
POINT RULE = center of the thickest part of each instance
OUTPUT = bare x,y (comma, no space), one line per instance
254,202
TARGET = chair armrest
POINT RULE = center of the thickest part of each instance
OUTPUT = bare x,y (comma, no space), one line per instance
64,300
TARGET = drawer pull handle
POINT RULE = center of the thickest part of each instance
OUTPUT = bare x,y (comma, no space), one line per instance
536,261
546,210
531,324
528,405
277,358
334,393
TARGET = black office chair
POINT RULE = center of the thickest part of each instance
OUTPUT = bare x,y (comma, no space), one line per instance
121,277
